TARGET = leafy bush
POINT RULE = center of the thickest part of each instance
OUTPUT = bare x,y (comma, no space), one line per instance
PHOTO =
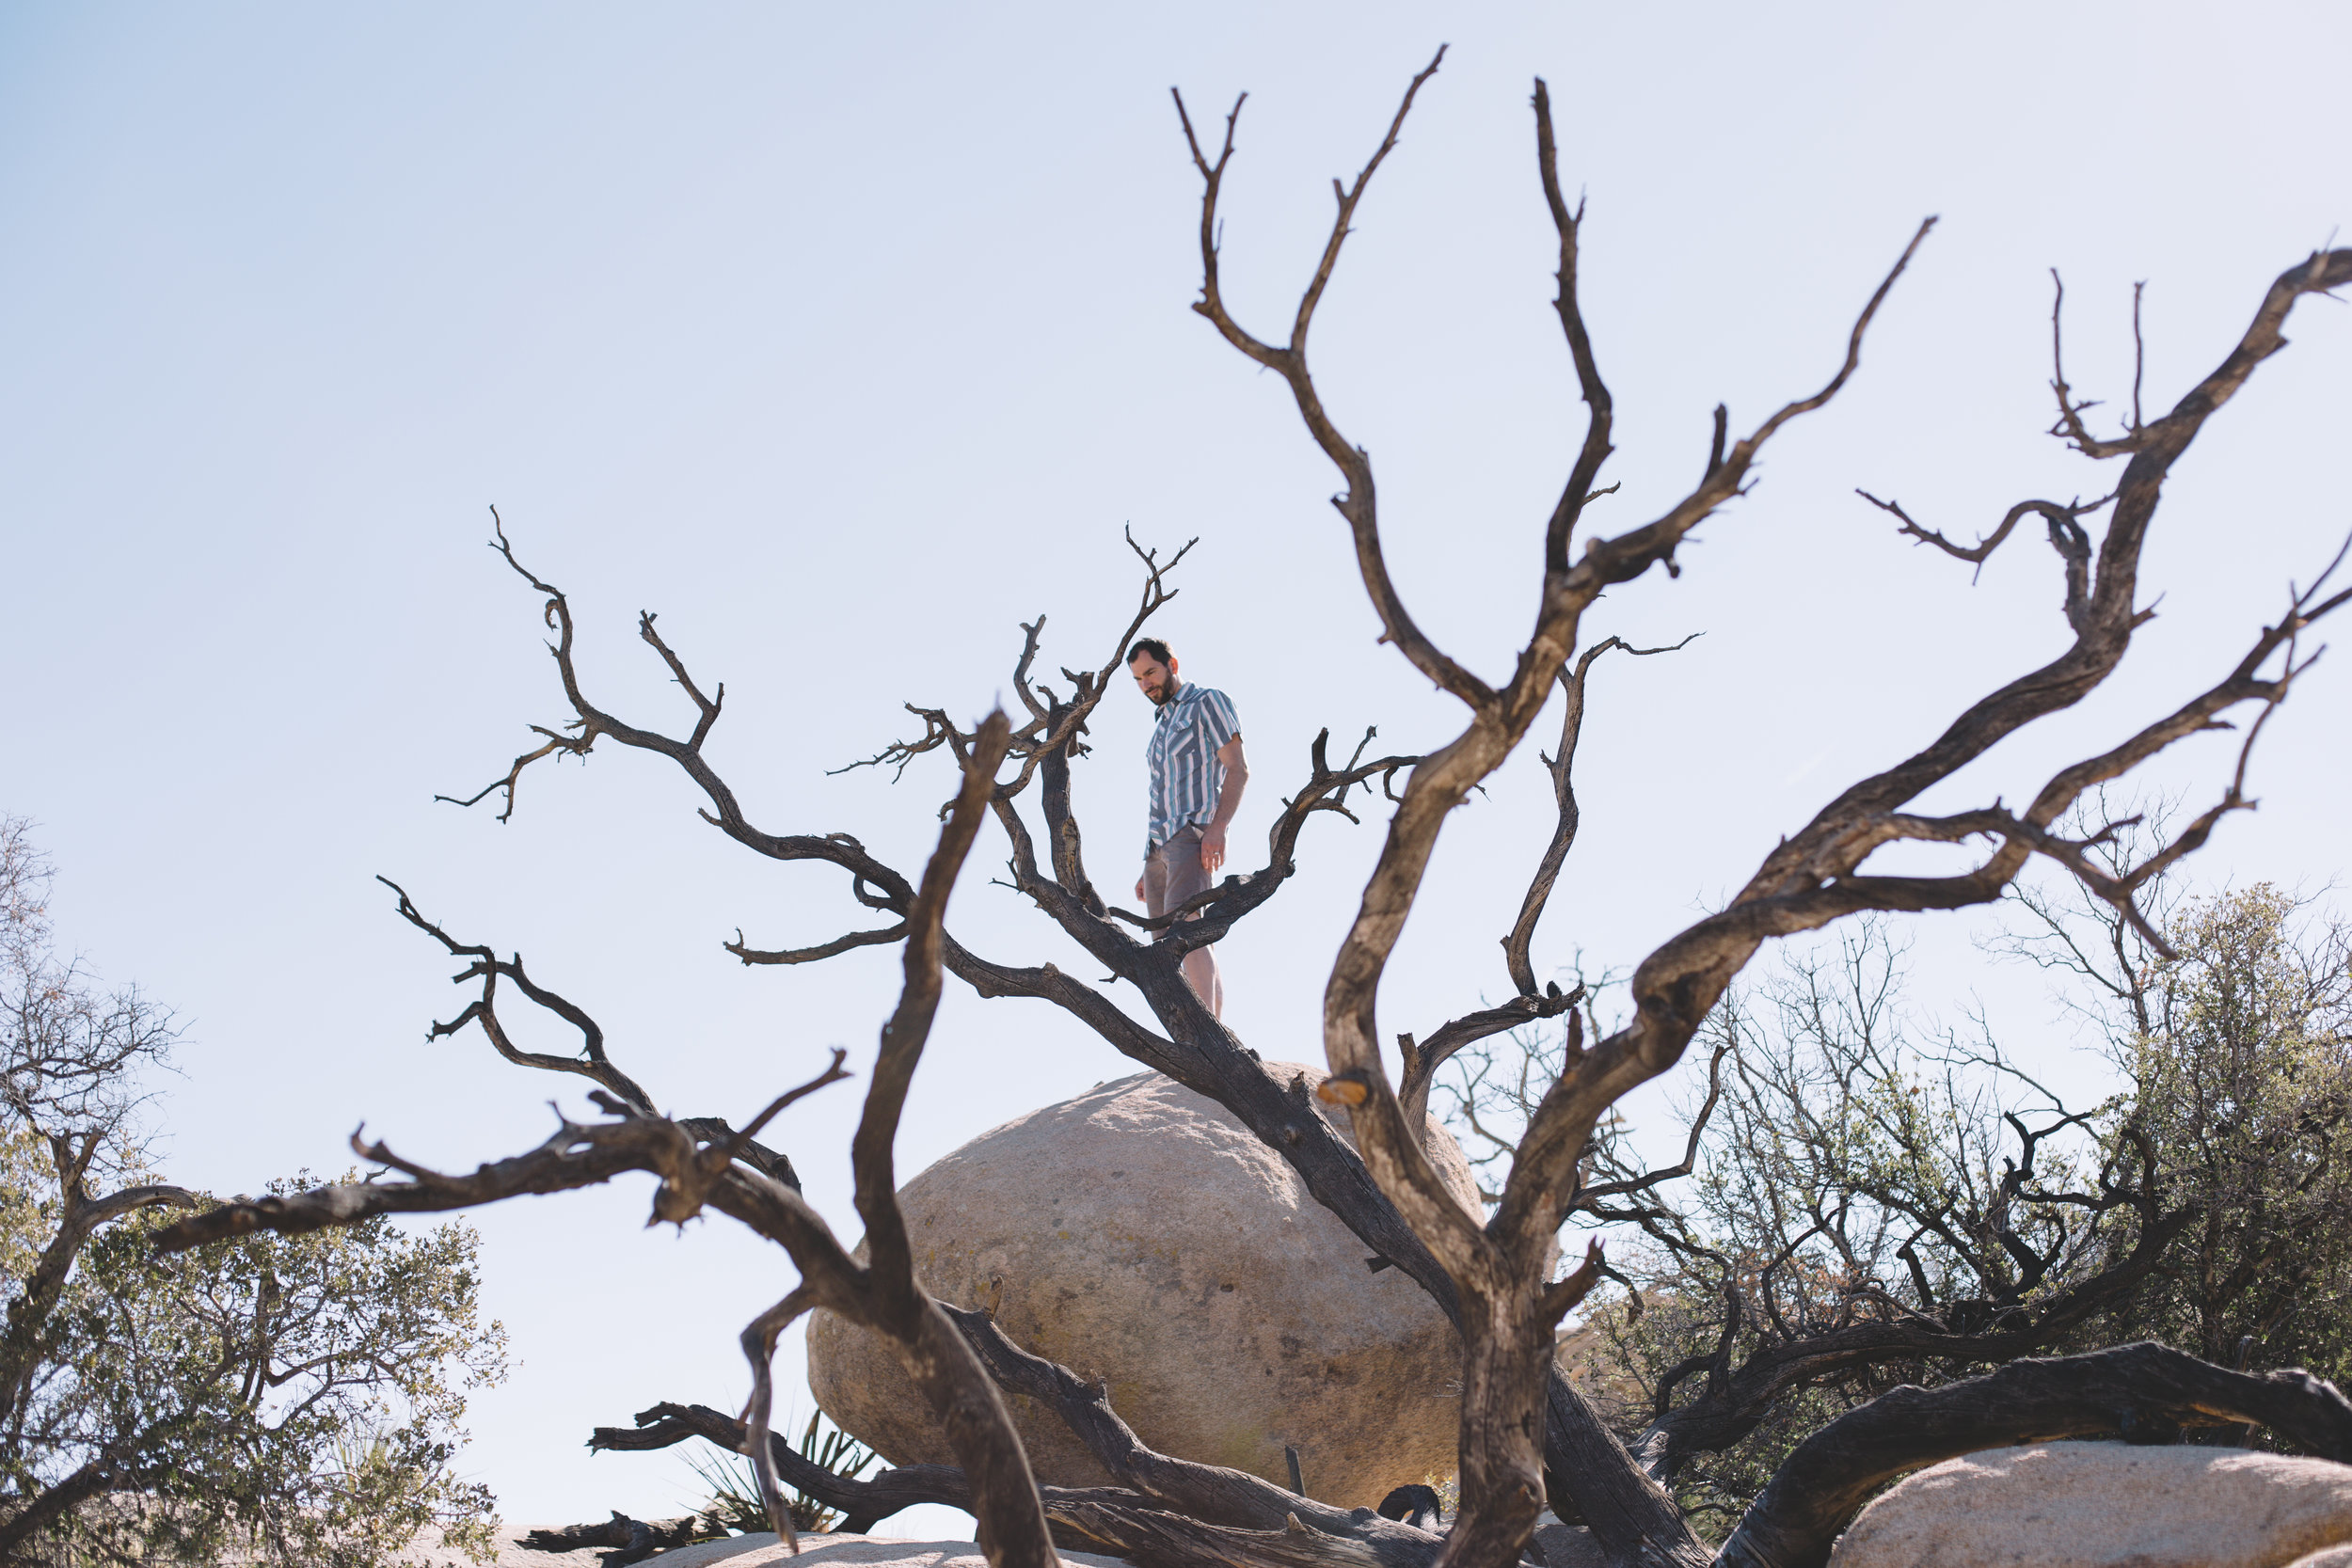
293,1399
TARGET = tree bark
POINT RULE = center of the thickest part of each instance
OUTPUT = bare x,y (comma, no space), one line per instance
1500,1449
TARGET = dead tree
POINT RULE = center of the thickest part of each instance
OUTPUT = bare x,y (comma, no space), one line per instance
1167,1510
1503,1268
1524,1431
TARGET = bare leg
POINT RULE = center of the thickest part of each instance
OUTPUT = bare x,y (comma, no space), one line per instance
1163,886
1201,970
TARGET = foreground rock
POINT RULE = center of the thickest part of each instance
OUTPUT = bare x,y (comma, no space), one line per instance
742,1551
867,1551
1567,1546
2104,1505
1139,1233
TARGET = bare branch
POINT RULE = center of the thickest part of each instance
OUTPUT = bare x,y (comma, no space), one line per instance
1563,1294
881,1295
1601,409
574,1157
1423,1058
889,1258
573,745
2060,518
1827,886
822,950
759,1348
488,968
1522,932
1325,789
590,723
707,706
1355,504
1053,728
2104,619
1590,1194
2139,353
2070,421
724,1151
1629,555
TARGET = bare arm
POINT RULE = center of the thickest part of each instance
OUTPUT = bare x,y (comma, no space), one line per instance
1228,804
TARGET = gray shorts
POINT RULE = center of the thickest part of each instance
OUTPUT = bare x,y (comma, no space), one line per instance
1172,874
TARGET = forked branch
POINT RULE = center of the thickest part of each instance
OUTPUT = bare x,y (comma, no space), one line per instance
1572,686
1815,877
2063,520
487,967
875,885
1355,504
1054,726
1325,789
2070,425
592,1063
1601,408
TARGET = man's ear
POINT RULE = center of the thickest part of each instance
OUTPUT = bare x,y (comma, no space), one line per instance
1172,664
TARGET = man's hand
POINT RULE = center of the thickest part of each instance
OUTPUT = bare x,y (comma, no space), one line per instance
1139,897
1228,802
1211,847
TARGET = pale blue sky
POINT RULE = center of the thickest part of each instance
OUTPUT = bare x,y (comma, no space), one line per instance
845,338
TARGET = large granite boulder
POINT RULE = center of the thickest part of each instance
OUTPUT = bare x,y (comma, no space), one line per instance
2105,1505
1139,1233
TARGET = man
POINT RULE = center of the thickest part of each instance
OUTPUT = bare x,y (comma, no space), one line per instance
1198,774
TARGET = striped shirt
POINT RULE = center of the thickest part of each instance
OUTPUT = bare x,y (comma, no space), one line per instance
1185,775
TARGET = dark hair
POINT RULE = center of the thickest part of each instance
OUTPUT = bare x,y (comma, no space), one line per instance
1152,647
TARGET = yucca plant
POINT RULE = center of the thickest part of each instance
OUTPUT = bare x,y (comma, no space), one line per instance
734,1492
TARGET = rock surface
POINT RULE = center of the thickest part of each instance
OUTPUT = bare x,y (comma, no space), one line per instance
1139,1233
429,1550
741,1551
1567,1546
867,1551
2105,1505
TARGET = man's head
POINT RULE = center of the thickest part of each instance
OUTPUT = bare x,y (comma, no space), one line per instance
1152,663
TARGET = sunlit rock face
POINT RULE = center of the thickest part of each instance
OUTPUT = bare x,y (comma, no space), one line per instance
2105,1505
1140,1234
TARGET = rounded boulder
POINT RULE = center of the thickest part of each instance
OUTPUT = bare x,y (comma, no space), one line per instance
1140,1234
2105,1505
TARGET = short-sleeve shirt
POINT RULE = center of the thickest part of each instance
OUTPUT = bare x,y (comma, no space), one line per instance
1185,775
